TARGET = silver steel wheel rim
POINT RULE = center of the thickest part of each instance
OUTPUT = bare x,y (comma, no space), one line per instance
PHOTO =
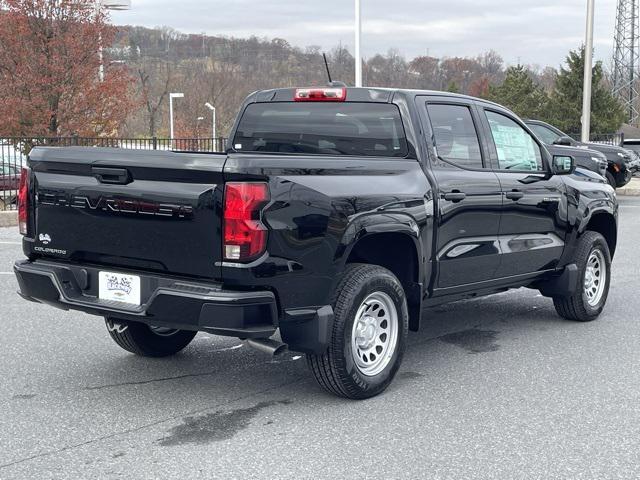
163,331
374,334
595,278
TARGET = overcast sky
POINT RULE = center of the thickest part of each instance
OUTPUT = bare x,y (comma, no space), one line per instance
534,31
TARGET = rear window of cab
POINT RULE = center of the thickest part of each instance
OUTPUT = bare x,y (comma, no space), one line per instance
322,128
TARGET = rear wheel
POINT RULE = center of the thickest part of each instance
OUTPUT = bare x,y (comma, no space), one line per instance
148,341
369,334
594,265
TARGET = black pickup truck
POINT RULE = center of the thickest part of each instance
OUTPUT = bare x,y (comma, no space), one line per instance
337,216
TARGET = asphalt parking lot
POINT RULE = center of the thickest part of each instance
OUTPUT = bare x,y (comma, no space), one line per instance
498,387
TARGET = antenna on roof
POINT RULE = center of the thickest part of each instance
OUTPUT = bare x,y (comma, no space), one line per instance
326,64
331,82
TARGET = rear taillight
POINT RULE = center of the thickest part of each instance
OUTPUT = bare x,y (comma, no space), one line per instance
23,201
320,95
245,237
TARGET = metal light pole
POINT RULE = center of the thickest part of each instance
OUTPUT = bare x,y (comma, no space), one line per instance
171,97
109,5
357,53
213,111
588,73
198,120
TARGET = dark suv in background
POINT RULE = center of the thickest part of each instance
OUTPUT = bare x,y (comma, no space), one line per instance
617,172
633,145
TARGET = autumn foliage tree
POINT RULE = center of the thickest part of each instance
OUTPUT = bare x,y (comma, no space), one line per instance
49,65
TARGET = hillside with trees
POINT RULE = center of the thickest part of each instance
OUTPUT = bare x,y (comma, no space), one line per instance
224,70
49,76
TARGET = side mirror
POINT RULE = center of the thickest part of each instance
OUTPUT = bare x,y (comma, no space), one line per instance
564,141
563,165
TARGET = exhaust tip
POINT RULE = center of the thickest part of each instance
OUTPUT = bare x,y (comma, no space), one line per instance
267,345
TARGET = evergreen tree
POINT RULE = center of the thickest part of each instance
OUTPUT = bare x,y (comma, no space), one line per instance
453,87
565,107
520,93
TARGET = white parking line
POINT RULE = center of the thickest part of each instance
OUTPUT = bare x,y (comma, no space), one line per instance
10,243
235,347
6,273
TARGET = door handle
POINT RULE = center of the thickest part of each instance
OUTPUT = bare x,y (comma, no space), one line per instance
116,176
455,196
514,195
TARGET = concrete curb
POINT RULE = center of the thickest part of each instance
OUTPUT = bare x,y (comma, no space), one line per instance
629,192
631,189
8,219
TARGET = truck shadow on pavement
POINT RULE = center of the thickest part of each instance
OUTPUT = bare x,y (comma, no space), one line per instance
218,386
474,326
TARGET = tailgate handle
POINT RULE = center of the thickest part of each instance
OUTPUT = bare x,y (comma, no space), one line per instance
119,176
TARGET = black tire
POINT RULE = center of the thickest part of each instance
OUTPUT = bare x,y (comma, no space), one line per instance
577,306
142,340
611,180
336,370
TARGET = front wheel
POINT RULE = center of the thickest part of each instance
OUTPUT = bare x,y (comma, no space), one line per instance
148,341
369,334
594,265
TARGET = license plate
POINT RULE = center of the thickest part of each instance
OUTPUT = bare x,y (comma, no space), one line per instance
119,287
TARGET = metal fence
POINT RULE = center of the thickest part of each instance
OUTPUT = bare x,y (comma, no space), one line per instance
14,151
615,139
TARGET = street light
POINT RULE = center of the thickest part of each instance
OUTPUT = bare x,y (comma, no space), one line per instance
198,120
588,73
116,4
357,47
171,97
109,5
213,111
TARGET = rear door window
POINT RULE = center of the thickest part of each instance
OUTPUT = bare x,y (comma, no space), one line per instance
455,135
545,134
331,128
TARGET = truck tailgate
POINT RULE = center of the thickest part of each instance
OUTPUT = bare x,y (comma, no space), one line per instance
145,210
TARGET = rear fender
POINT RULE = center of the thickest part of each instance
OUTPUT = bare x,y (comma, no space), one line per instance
408,266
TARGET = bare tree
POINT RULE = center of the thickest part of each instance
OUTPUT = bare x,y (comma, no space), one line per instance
154,82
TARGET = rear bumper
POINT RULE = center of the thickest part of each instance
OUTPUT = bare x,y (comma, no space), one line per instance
178,303
167,302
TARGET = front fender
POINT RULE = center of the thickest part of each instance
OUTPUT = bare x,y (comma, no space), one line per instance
584,201
595,210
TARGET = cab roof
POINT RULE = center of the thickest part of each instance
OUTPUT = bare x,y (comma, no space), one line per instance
360,94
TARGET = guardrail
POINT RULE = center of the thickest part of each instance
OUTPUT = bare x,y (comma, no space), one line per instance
14,151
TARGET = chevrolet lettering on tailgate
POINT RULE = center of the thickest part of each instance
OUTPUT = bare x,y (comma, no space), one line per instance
116,205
